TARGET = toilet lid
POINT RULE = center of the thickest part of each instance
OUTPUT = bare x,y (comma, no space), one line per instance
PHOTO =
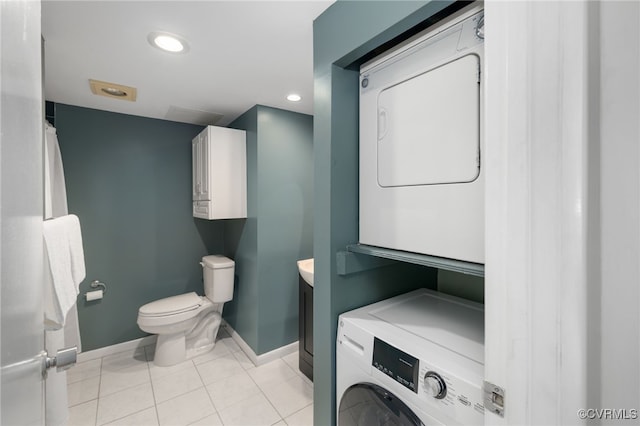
172,305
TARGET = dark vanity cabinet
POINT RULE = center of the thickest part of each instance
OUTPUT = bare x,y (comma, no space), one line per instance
305,328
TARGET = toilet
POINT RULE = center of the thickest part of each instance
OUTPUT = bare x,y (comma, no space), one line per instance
187,325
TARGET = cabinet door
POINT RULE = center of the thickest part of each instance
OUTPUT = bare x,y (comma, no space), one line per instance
205,164
195,168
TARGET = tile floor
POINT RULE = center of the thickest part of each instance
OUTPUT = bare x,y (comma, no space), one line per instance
222,387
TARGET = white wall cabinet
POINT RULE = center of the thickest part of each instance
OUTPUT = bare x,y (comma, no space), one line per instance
219,187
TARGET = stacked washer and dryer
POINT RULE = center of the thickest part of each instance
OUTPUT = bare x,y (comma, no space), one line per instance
418,358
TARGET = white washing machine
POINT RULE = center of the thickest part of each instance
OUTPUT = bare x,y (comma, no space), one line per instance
421,144
415,359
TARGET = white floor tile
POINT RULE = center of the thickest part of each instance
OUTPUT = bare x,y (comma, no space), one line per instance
116,381
108,391
303,417
227,392
175,384
212,420
186,409
158,372
292,360
290,396
230,343
219,369
122,360
272,373
83,391
305,378
84,370
124,403
218,351
146,417
244,360
253,411
83,414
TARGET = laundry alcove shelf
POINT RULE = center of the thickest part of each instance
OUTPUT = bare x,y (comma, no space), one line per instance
362,257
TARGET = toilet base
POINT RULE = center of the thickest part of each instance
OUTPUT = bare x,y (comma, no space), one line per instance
170,350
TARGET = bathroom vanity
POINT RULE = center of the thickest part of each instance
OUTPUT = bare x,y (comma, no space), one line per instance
305,317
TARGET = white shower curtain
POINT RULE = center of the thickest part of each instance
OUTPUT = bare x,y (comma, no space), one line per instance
55,205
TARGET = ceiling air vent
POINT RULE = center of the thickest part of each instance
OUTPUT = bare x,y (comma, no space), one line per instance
113,90
193,116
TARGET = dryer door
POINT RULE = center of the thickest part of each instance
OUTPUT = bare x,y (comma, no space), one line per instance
367,404
429,127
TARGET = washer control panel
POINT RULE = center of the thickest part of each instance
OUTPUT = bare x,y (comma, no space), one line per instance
433,387
460,399
398,365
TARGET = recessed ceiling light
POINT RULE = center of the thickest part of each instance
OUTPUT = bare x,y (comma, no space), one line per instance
294,97
113,90
168,42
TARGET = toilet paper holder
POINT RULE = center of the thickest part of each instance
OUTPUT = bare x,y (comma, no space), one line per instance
96,284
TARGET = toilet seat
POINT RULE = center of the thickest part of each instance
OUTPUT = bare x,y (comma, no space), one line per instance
171,310
172,305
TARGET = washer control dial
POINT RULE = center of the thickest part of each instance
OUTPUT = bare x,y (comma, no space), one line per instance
435,385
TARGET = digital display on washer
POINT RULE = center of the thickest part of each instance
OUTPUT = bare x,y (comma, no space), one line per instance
396,364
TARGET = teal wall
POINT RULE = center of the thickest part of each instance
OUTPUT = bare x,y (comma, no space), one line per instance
461,285
241,243
278,230
129,181
344,35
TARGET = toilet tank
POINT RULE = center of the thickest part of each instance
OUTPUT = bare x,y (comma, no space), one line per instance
218,275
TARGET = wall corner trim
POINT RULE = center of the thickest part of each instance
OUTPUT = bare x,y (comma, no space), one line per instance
264,358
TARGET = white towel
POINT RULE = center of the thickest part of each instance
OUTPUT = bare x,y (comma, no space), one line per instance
63,241
55,192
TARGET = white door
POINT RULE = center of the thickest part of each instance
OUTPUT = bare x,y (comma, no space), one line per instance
562,328
21,209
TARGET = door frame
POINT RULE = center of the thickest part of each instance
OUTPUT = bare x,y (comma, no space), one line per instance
562,329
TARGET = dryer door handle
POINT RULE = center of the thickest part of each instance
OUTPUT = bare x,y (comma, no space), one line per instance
383,123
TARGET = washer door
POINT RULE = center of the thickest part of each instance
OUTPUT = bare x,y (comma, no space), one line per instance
367,404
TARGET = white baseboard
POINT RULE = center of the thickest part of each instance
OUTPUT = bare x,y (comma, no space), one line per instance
264,358
131,345
151,340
